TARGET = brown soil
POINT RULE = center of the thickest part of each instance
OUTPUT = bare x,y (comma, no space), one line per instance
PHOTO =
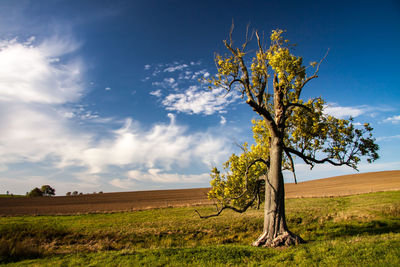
346,185
129,201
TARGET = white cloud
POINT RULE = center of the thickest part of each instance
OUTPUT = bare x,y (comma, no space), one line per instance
198,101
135,178
33,134
344,112
223,120
107,88
394,119
32,74
167,83
147,67
355,111
175,68
169,80
388,138
200,73
156,93
32,86
157,175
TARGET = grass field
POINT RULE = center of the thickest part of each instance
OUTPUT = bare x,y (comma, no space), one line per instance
353,230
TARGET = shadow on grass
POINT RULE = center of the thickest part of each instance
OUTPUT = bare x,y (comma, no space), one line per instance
22,241
340,230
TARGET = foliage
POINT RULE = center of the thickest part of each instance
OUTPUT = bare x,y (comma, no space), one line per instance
48,190
272,87
45,190
239,186
35,192
355,230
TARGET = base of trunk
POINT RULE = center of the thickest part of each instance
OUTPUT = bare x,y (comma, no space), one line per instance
285,239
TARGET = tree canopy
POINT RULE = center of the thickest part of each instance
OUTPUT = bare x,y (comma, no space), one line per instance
35,192
48,190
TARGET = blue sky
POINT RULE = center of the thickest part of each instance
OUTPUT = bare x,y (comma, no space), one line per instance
104,95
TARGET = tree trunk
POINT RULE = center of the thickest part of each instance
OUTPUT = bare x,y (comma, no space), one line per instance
276,232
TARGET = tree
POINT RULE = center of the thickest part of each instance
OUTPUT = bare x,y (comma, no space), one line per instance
48,190
35,192
75,193
289,127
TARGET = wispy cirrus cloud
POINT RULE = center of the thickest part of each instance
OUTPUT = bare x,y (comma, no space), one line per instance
338,111
176,67
196,100
134,177
393,119
345,112
388,138
156,93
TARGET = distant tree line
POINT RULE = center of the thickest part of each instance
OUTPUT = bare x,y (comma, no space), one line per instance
76,193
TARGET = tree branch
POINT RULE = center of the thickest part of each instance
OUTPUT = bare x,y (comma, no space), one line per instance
248,205
315,75
293,105
266,162
310,160
265,113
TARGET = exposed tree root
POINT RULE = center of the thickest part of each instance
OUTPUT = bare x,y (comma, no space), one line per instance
285,239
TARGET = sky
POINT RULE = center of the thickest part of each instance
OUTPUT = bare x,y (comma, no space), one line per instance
105,95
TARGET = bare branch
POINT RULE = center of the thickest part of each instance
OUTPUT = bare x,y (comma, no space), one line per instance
310,160
235,81
259,42
320,62
230,33
247,38
315,75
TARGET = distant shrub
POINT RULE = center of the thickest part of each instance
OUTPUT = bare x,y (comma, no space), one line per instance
100,192
80,193
68,194
35,192
75,193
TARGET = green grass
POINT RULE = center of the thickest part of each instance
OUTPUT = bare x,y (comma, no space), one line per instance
6,196
355,230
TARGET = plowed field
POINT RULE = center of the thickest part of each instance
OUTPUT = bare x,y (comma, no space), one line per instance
129,201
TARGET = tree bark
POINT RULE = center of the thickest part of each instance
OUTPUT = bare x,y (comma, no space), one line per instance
276,232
